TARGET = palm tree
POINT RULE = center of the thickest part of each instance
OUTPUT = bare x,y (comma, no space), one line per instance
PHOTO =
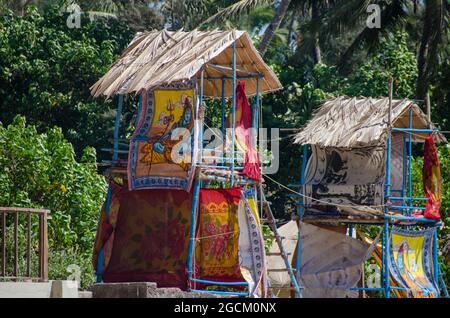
244,6
284,6
432,35
346,14
273,26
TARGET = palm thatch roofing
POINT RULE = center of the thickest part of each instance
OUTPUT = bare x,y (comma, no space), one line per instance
346,122
162,57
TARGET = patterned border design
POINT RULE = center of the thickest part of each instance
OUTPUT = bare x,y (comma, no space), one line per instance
256,241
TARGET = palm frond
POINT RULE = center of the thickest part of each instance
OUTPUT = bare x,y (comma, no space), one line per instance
392,16
236,9
101,14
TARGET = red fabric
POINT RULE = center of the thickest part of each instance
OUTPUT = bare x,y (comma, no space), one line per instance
105,229
216,249
432,180
151,238
243,125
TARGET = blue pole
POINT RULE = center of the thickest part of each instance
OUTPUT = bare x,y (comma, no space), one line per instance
256,113
414,130
117,128
194,209
410,191
101,255
387,288
404,171
387,196
233,124
223,118
223,110
139,108
300,209
200,103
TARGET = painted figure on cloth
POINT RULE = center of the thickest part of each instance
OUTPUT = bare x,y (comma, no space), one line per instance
159,149
411,262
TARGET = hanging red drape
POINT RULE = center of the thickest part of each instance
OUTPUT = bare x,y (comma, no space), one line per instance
432,180
243,125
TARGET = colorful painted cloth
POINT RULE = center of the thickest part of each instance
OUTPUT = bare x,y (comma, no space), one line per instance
151,238
163,144
411,261
217,238
432,180
252,257
243,135
105,229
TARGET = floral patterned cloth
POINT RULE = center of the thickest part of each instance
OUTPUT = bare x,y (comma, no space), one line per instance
151,238
217,238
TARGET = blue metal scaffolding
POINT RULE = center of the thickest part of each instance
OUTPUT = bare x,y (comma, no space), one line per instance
232,163
409,203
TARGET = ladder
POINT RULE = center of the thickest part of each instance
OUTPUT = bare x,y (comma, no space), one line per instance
443,286
271,222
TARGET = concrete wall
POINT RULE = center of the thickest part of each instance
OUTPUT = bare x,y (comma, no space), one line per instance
51,289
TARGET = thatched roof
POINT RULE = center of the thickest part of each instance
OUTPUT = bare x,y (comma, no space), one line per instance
160,57
346,122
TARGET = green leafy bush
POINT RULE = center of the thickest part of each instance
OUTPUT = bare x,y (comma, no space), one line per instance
40,170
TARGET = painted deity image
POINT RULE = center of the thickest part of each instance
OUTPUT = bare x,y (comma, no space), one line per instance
160,148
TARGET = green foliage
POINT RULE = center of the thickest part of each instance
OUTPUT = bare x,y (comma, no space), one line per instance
393,60
268,241
46,70
61,266
40,170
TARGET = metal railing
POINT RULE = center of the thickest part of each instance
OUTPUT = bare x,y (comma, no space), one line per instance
26,215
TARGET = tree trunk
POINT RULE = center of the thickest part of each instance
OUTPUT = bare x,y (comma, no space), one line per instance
433,22
315,13
291,30
273,26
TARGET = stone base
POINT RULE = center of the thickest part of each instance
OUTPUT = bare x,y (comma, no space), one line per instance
143,290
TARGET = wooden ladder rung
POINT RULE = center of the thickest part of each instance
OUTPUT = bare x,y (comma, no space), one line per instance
277,254
287,288
278,270
274,236
268,221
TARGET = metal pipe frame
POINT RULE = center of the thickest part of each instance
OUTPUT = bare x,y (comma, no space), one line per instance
406,196
198,180
300,210
233,113
117,128
233,68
